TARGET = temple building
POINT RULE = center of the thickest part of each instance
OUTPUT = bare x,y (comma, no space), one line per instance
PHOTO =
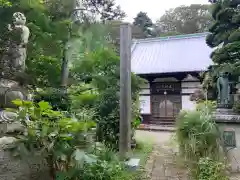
171,67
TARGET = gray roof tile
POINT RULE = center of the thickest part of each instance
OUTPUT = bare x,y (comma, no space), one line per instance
184,53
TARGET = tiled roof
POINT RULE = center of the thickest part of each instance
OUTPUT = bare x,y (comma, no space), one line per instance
184,53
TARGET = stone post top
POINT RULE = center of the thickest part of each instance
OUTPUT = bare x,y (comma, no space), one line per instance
125,24
225,115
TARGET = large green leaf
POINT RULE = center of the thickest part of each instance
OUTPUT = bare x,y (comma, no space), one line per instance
44,105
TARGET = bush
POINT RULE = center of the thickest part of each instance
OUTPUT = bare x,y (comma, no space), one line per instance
206,107
209,169
236,106
62,142
106,80
199,141
65,144
197,135
57,100
101,170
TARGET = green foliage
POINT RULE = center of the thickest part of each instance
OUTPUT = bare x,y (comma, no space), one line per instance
184,20
101,170
200,142
102,68
58,100
225,36
5,3
197,134
144,22
107,10
236,106
136,123
209,169
50,25
61,141
209,106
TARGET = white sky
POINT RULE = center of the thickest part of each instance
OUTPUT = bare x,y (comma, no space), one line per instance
154,8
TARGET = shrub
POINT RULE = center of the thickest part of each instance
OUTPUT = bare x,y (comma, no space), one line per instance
198,134
236,106
61,141
209,169
200,143
207,107
55,97
107,104
101,170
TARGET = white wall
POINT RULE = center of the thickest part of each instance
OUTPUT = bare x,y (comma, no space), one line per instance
188,88
187,104
145,104
144,99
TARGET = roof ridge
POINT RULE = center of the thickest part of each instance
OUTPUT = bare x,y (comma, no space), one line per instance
182,36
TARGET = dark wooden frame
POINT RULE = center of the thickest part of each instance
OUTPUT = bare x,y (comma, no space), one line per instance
148,118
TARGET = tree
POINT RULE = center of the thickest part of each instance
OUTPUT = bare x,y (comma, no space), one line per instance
114,32
49,23
144,22
225,37
108,10
184,20
5,3
102,67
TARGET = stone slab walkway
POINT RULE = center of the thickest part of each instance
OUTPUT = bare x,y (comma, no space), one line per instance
163,162
162,165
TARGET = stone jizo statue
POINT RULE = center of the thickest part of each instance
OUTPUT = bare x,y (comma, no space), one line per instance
223,88
13,62
15,55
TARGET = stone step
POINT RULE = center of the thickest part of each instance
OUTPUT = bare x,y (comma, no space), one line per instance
154,127
162,122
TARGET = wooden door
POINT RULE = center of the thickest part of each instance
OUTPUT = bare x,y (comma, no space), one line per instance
165,107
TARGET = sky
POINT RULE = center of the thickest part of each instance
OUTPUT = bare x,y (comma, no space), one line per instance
154,8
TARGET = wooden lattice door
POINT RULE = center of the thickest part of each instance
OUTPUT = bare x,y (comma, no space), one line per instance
165,101
165,107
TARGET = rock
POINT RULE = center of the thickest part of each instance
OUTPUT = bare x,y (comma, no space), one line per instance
7,116
27,169
15,127
11,90
10,128
5,141
133,164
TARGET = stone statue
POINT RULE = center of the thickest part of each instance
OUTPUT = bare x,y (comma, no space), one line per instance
11,63
223,88
13,60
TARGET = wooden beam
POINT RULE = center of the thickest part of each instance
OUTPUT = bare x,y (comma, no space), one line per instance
125,90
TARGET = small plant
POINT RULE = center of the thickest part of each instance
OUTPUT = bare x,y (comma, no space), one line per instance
209,169
206,106
61,141
236,106
199,140
101,170
197,135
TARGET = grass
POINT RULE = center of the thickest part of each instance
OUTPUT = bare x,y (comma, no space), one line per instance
142,151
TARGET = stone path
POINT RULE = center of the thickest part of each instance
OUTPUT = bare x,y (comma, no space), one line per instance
163,162
163,165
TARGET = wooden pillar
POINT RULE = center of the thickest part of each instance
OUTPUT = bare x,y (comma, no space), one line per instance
125,89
